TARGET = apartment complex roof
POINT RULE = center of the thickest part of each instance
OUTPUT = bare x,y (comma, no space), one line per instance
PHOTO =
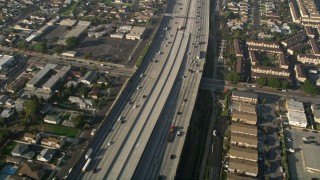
243,128
244,138
243,153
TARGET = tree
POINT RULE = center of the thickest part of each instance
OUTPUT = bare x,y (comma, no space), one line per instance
233,77
284,84
262,81
32,106
23,45
274,82
68,28
40,47
79,121
310,88
88,55
71,42
58,49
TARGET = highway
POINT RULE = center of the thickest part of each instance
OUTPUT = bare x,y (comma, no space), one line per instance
119,146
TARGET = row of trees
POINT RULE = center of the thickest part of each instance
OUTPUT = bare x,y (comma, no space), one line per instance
273,82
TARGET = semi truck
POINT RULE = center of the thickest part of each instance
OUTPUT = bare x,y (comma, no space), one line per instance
88,154
84,169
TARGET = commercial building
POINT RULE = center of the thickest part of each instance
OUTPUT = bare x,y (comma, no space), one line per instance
76,32
45,71
124,29
244,96
296,115
117,35
136,33
316,115
5,60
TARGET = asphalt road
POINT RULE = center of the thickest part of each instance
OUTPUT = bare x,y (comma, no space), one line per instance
215,84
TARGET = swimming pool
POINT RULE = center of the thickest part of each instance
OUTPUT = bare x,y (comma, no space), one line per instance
9,169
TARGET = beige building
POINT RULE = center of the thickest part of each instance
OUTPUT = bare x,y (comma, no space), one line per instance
30,138
270,71
299,73
264,44
240,128
244,96
244,117
52,142
243,153
308,59
240,166
244,140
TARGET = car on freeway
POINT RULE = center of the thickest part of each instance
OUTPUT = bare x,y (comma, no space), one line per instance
172,156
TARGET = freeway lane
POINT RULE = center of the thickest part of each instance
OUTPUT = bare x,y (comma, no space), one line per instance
110,120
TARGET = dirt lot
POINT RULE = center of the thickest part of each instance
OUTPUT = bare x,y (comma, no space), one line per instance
107,49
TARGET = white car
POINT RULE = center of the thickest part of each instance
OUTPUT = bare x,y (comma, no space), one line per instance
119,118
304,139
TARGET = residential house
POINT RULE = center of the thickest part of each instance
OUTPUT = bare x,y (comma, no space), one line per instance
89,77
52,119
31,138
3,99
102,80
52,142
22,150
46,155
81,102
7,113
32,170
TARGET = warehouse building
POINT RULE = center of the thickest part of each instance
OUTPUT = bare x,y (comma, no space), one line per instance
296,115
136,33
5,60
33,82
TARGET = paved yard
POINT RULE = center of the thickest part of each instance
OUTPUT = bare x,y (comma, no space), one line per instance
305,162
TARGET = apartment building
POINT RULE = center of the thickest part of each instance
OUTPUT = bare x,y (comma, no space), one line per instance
244,96
281,72
244,117
237,48
308,59
299,73
264,44
314,47
294,40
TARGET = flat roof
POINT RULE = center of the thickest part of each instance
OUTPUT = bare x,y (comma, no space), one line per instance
243,128
138,30
239,177
245,153
244,107
295,105
44,71
298,117
4,59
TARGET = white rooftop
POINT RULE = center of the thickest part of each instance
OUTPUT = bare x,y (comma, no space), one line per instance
4,59
297,117
295,106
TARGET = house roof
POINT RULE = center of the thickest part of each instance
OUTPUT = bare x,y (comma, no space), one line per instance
29,135
47,153
20,148
52,118
6,113
3,98
51,139
33,170
245,107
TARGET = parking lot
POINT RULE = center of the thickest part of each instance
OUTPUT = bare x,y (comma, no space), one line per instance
304,163
107,49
